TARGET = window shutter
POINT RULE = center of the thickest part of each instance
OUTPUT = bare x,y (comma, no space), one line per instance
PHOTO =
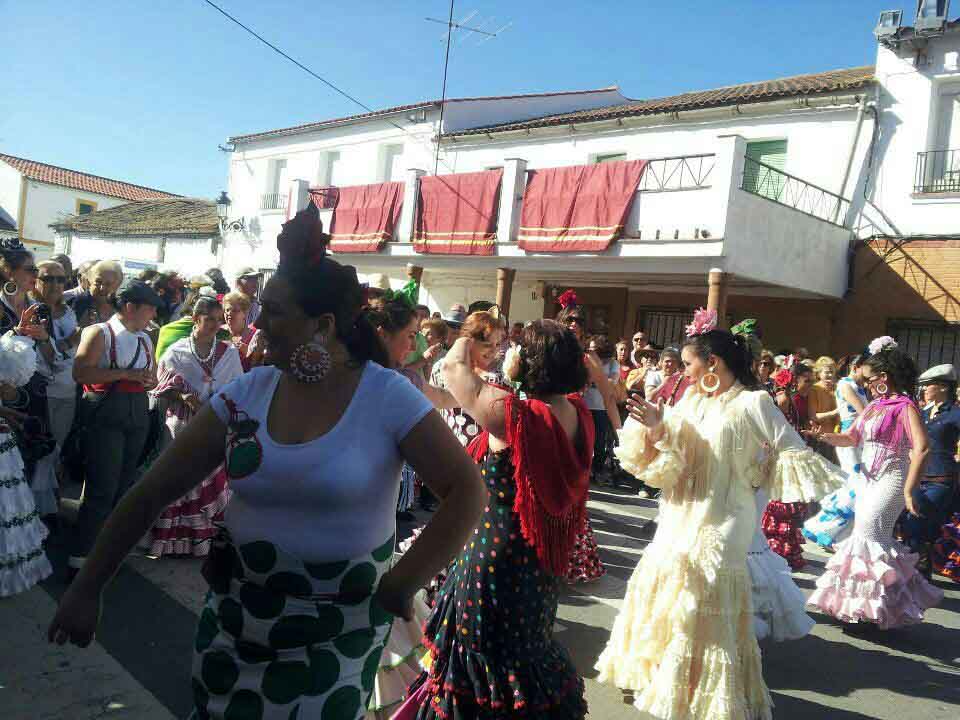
759,179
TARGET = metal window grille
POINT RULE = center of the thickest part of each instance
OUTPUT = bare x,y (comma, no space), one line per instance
664,326
927,343
937,171
273,201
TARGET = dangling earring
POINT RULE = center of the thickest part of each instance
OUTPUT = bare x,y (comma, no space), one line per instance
710,381
310,362
11,288
882,388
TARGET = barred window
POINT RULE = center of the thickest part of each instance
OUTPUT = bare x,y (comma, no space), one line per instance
928,343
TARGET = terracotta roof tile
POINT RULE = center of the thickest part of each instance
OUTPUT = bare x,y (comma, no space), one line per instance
307,127
168,216
813,84
53,175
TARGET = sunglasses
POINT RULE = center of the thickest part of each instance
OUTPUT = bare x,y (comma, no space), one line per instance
32,269
55,279
765,363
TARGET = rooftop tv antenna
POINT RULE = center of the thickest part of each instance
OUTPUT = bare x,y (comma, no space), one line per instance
466,31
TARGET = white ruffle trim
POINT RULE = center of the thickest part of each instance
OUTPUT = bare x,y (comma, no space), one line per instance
18,360
400,663
659,464
778,604
803,476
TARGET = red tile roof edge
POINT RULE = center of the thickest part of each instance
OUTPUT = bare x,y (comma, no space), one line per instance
79,180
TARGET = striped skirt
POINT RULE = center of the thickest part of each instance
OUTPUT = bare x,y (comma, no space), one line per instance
290,640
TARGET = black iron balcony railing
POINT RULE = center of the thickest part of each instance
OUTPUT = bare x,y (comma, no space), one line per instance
686,172
938,171
783,188
273,201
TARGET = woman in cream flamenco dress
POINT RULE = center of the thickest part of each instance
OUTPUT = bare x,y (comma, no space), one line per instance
683,644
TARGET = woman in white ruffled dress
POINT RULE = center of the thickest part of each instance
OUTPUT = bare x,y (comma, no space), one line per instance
23,562
683,644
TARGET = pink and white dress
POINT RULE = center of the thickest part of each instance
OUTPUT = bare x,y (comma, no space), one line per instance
873,577
186,528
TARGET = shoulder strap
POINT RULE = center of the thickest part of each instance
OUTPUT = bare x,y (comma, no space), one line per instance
113,346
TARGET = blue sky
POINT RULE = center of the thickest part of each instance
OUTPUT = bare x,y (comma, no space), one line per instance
145,90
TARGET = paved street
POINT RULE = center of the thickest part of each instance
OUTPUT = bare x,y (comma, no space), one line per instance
139,666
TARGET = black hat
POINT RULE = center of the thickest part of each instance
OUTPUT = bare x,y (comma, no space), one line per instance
138,293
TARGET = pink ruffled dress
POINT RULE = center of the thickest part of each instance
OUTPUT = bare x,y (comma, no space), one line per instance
873,577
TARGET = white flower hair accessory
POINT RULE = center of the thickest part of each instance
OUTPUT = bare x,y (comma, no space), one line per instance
513,364
882,343
18,360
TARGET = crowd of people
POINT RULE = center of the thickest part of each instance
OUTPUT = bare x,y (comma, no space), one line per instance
281,432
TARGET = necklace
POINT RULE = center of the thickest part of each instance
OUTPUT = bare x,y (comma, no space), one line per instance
193,349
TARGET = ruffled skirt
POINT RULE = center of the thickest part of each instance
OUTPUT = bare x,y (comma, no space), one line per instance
869,581
585,564
23,562
778,604
400,663
781,524
187,527
945,554
834,523
684,641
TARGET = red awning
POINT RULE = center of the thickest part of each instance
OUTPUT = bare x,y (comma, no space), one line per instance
578,209
457,214
364,216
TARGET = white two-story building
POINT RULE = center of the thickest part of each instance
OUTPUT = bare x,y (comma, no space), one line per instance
788,200
34,195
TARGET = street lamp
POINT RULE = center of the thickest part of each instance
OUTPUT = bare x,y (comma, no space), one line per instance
223,208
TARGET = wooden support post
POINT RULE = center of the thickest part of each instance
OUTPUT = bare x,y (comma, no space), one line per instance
505,278
717,288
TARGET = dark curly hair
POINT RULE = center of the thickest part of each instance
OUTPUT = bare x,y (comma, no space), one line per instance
389,315
901,370
551,360
734,350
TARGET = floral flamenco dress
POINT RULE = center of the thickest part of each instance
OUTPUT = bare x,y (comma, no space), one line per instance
684,642
23,563
834,522
490,635
873,577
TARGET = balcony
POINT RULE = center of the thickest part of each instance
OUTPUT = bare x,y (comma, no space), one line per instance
780,187
273,201
937,171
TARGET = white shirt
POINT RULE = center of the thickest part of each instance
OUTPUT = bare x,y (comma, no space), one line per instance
127,345
61,385
335,497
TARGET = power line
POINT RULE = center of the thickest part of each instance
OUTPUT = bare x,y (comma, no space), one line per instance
443,93
336,89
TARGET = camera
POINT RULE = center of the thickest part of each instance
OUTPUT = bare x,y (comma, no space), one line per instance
44,315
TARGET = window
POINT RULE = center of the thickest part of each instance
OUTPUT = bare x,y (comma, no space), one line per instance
391,163
928,343
761,176
665,327
330,169
85,207
275,193
609,157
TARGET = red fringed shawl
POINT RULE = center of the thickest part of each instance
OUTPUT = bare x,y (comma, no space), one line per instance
551,475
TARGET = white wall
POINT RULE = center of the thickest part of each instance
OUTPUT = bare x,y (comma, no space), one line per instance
9,193
907,108
188,256
48,204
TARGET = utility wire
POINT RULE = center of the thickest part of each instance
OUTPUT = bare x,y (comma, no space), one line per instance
443,93
336,89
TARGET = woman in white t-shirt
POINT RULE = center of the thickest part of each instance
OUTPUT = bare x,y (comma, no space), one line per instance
56,364
302,594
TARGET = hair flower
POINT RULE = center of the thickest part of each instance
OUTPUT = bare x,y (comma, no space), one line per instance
512,364
703,322
568,299
783,378
881,343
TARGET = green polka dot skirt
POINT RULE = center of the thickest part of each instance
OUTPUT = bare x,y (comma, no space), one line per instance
278,646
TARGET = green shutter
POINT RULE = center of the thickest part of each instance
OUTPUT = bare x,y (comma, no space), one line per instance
760,180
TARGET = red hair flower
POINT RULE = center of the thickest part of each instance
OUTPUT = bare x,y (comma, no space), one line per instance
568,300
783,378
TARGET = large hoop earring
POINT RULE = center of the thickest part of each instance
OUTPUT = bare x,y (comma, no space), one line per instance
710,382
11,288
882,388
310,362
